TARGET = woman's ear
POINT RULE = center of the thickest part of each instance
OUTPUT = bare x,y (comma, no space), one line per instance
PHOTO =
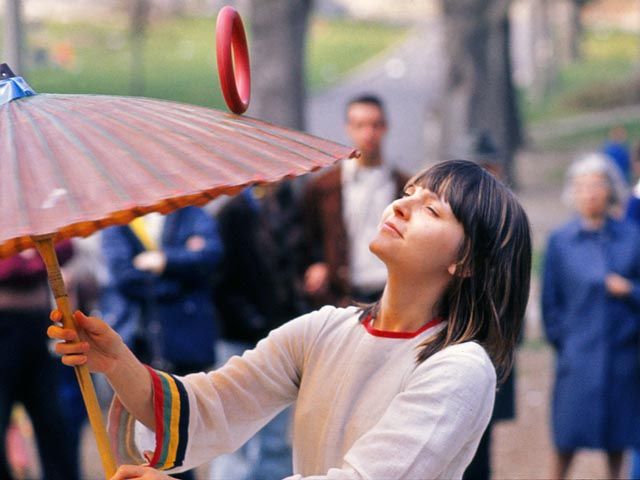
457,270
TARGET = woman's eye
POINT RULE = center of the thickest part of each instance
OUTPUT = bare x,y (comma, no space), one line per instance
432,210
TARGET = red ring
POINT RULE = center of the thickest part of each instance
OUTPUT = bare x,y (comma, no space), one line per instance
231,40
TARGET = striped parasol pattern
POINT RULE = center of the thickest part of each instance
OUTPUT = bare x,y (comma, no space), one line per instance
74,164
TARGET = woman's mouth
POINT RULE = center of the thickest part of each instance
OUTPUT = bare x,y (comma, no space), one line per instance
391,228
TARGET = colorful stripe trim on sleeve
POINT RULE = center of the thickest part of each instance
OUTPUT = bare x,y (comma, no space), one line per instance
171,406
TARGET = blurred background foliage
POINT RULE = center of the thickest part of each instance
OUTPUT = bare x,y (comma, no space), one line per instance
179,55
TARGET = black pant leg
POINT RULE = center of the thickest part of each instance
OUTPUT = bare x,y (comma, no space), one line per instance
41,397
12,357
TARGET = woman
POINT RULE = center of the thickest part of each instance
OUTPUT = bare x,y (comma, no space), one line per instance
591,310
401,389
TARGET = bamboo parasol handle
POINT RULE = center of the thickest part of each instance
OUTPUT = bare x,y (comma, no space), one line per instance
45,247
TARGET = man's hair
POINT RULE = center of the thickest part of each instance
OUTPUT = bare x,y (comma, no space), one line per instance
367,99
486,303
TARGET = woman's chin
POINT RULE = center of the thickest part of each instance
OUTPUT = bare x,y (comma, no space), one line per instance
379,247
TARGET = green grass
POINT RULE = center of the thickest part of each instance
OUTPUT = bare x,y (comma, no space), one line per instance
179,56
589,138
537,258
608,57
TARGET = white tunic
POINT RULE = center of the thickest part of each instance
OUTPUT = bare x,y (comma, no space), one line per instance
364,408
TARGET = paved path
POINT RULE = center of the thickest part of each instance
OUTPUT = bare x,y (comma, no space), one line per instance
407,79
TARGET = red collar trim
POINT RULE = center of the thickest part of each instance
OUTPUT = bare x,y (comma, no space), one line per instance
384,333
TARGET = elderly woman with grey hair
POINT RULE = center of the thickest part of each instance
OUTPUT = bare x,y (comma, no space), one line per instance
591,312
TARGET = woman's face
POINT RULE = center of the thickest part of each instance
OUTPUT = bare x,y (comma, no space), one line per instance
591,194
419,236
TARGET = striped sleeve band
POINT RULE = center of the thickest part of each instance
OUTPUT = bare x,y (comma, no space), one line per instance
171,410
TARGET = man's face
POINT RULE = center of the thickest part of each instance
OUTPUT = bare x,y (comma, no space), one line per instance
366,127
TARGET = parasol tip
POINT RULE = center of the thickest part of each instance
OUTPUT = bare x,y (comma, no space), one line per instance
6,72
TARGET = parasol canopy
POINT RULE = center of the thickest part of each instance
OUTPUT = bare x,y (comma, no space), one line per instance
73,164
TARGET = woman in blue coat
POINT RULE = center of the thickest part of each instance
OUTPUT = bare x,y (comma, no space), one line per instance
159,292
591,311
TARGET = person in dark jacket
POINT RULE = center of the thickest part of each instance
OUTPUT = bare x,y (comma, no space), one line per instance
29,373
260,289
591,313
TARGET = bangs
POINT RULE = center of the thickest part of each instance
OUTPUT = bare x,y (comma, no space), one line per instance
457,183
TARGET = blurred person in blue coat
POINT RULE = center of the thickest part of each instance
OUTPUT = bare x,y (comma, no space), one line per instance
158,295
591,312
617,148
633,215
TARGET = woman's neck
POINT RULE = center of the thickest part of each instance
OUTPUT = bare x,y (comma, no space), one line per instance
406,306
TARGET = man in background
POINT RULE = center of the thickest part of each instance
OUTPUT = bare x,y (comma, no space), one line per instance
342,208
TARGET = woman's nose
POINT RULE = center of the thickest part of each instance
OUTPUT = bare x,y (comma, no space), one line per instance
401,208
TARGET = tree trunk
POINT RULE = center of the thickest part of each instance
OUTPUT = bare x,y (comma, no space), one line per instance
479,93
567,31
502,118
13,36
278,42
139,22
545,62
576,30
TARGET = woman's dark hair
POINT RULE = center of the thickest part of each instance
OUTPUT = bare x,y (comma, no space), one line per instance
486,301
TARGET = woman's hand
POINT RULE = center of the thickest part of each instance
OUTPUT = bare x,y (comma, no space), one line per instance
94,343
134,472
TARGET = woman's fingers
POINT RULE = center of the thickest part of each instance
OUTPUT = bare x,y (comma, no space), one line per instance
59,333
74,360
130,472
92,325
55,316
71,348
